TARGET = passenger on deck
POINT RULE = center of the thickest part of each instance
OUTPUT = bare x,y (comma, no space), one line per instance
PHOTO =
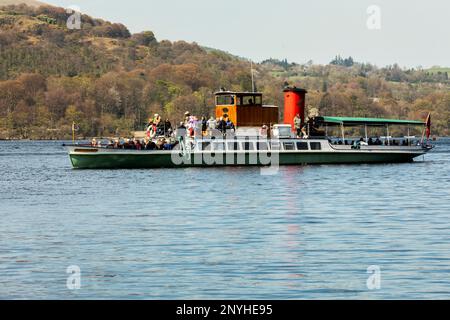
167,128
157,119
230,125
298,125
378,142
187,117
222,125
160,130
212,123
212,126
192,125
263,132
137,144
304,133
170,144
160,144
362,142
197,126
370,142
150,145
204,126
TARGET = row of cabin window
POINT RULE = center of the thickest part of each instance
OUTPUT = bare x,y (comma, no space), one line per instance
261,146
241,101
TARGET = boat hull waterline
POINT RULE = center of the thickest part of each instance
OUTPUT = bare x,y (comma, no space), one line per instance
95,158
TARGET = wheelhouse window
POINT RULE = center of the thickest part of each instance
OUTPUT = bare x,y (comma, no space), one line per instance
316,146
248,100
302,146
225,100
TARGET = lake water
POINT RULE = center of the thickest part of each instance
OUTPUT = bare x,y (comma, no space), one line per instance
309,232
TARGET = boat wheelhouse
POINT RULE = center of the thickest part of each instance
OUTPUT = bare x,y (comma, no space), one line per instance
245,109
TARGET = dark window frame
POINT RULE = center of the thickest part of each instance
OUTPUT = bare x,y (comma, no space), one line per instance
225,100
303,144
313,145
290,144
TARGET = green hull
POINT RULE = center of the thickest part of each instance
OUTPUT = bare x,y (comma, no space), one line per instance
164,160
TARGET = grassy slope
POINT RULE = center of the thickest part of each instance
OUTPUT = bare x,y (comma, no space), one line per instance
92,56
435,70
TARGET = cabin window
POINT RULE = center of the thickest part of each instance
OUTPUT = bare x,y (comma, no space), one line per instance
248,146
316,146
302,146
233,146
219,146
275,146
205,146
289,146
248,100
263,146
224,100
258,100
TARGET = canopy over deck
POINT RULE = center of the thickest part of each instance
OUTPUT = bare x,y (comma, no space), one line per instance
350,121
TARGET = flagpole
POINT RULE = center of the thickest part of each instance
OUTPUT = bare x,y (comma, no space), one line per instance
428,127
253,81
73,131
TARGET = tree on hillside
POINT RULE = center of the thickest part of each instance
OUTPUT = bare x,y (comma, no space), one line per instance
11,93
339,61
146,38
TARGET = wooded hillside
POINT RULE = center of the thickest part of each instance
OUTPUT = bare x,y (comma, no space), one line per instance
109,81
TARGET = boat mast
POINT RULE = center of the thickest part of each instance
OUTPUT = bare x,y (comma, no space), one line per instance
387,135
253,78
365,131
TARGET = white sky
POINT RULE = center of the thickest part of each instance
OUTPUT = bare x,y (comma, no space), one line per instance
413,32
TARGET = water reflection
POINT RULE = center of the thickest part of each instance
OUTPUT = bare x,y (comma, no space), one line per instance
308,232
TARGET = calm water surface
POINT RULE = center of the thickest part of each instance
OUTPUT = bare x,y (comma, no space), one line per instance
309,232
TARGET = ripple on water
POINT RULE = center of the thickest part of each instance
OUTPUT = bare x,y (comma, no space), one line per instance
308,232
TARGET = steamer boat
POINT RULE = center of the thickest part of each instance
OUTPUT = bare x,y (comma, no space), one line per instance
322,140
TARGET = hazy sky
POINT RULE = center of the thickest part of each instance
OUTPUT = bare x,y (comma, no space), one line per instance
413,33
